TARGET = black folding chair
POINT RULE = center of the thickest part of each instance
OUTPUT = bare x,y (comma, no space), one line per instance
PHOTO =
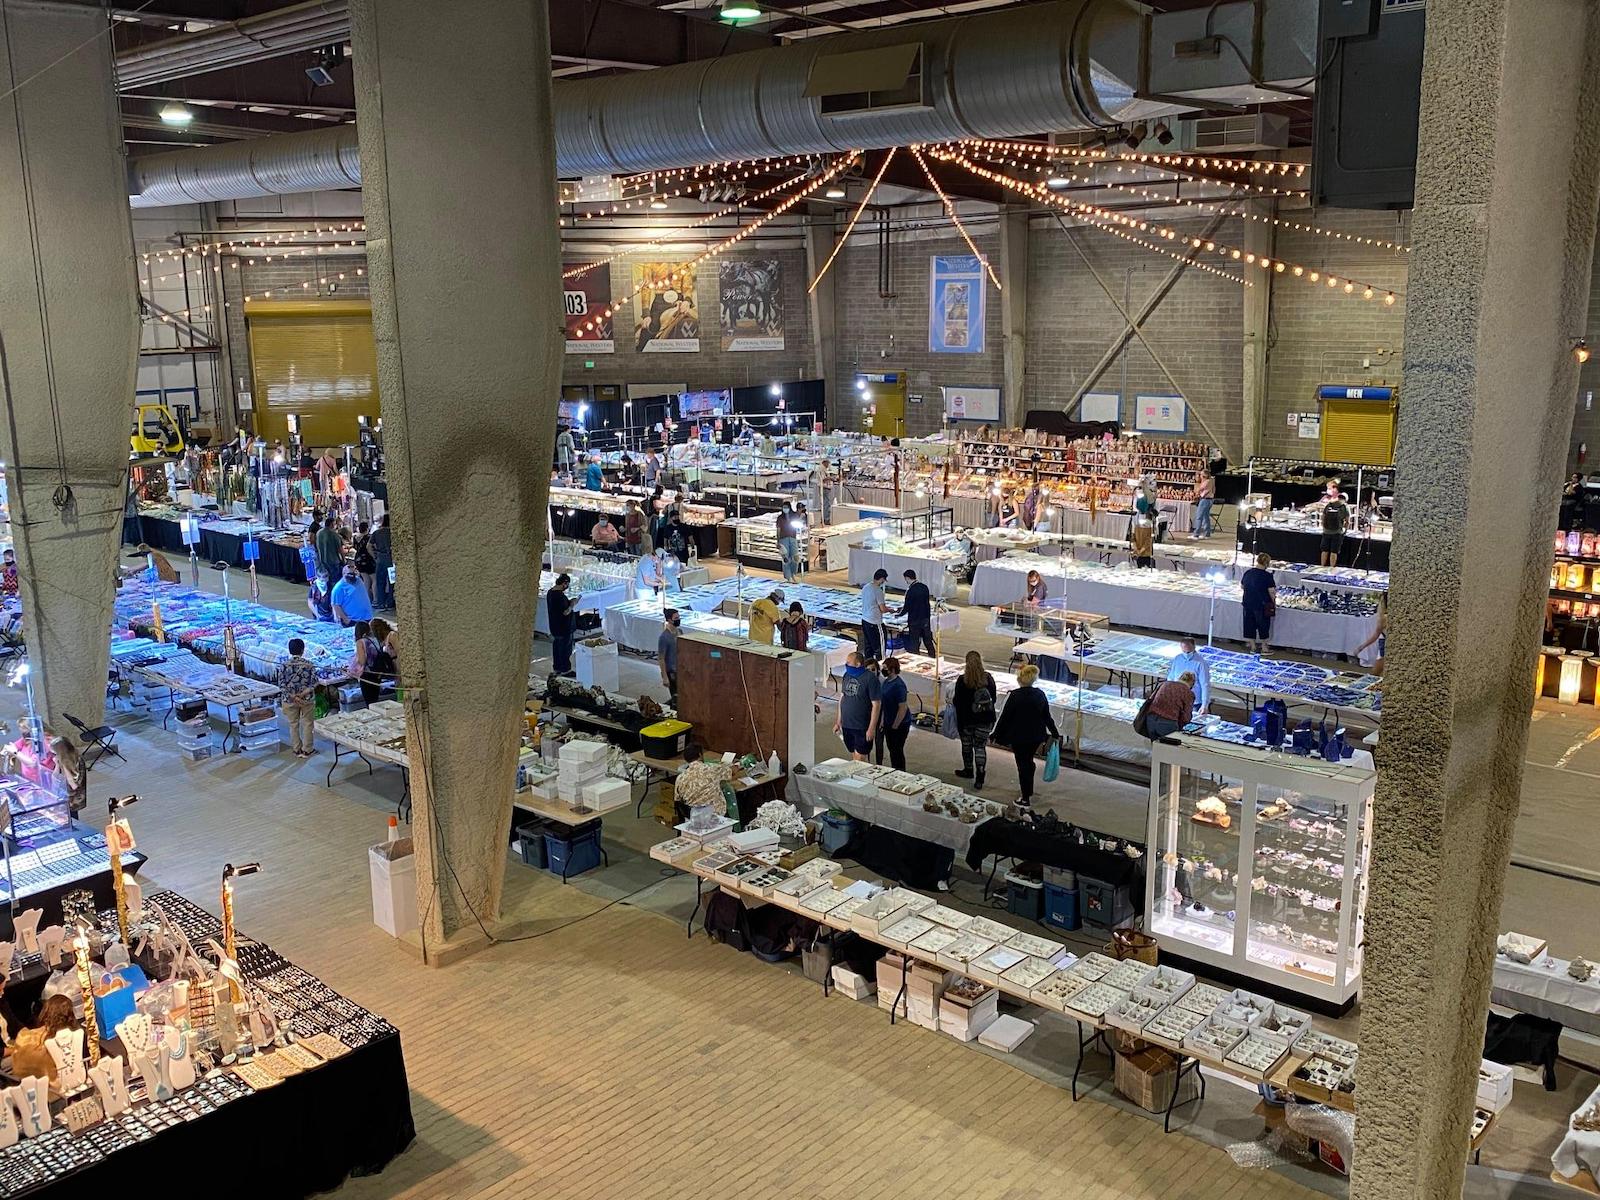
97,742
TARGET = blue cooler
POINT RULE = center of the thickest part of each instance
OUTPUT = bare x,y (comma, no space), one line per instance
572,850
1061,906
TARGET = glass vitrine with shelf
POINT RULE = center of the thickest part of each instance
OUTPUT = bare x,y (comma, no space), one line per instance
1259,863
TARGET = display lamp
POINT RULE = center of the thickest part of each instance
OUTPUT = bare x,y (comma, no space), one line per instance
91,1025
835,193
229,874
119,837
1571,679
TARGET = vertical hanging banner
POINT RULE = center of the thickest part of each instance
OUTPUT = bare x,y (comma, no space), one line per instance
955,304
587,297
668,318
750,300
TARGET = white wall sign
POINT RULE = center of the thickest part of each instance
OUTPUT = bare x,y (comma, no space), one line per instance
1294,419
1101,406
1160,414
1310,426
971,404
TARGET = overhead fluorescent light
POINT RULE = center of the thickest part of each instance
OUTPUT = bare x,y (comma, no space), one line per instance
176,114
738,10
835,193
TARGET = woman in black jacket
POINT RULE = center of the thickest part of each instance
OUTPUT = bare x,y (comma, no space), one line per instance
1024,722
974,700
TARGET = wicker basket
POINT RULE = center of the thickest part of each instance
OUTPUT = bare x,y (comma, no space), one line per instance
1134,944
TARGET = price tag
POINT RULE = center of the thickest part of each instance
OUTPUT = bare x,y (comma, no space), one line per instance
119,836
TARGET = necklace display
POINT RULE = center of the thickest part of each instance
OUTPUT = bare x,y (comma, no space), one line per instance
9,1130
25,929
32,1098
66,1048
52,944
110,1080
177,1062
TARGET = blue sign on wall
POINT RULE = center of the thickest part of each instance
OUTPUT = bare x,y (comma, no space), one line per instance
1338,391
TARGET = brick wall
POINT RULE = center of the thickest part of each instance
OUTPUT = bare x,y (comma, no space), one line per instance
1195,332
711,366
1316,335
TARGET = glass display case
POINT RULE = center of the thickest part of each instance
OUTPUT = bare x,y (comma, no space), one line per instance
1260,864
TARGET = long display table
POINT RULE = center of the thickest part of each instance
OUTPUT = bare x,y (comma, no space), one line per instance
933,567
224,542
1305,546
1170,601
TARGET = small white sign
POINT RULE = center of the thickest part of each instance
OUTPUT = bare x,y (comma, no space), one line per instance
1310,427
1294,419
244,400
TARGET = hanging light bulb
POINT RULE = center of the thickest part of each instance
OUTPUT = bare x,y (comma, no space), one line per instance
176,114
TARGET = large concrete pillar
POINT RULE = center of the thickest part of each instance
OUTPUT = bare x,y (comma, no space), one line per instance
1498,285
1258,240
458,175
1014,313
69,340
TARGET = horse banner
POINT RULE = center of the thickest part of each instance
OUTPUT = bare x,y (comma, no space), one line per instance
668,319
750,297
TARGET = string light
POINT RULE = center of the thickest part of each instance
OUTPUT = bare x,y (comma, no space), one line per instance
1263,262
201,249
950,209
1038,150
856,216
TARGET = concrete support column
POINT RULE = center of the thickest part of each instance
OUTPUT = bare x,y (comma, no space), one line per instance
1258,239
1013,313
69,340
822,306
458,174
1499,281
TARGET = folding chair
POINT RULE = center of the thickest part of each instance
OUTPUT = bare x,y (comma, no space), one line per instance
97,742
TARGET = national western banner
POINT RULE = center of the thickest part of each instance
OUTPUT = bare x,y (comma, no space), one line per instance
667,318
955,304
588,296
750,298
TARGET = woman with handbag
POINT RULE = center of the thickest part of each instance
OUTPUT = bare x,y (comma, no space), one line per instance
1170,708
973,702
1259,597
1024,724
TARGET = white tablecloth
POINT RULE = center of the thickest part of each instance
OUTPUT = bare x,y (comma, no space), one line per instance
1580,1149
1543,988
594,601
865,804
1118,595
637,625
930,566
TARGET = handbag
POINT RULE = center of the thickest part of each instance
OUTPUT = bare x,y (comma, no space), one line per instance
947,722
1052,761
1140,724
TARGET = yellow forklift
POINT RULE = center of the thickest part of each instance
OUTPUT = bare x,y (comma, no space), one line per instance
157,437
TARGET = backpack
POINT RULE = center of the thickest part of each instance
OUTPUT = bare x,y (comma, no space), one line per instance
365,563
982,700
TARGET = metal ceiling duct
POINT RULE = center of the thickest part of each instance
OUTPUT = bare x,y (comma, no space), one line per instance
286,31
1071,64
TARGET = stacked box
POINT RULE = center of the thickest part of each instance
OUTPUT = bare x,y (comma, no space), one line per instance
967,1008
925,987
889,968
582,767
857,987
608,794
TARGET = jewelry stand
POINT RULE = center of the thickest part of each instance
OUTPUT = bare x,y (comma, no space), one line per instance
10,1131
25,929
66,1050
111,1081
178,1063
32,1098
51,942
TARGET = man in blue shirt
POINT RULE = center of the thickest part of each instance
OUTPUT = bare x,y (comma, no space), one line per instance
872,615
350,600
593,477
860,703
667,651
1190,659
918,612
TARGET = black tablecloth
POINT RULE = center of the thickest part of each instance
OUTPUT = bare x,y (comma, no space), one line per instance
579,523
1303,546
282,561
901,857
347,1117
1020,840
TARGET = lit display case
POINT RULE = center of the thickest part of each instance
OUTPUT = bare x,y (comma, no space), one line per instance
1259,864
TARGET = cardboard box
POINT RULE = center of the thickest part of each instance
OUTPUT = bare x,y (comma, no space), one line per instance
1147,1077
928,982
857,987
1494,1086
609,793
923,1011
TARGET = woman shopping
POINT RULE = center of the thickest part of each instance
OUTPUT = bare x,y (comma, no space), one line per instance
1024,724
974,701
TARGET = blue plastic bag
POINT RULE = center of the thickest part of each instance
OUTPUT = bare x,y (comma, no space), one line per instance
1052,761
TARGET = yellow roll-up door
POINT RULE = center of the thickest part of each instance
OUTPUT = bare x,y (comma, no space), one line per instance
1358,431
313,358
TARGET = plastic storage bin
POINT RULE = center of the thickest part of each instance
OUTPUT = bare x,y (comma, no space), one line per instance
568,855
1025,897
1061,906
394,891
836,832
1103,906
665,739
531,838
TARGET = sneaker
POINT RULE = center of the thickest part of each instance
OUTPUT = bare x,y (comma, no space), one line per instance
963,774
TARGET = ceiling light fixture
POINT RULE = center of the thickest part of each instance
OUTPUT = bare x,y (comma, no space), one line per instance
835,193
1580,350
1057,182
658,204
737,12
1163,133
176,114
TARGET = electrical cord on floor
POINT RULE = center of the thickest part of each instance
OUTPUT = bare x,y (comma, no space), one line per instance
666,874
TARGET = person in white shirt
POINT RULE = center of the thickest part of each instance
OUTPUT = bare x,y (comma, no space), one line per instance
872,607
1191,660
648,577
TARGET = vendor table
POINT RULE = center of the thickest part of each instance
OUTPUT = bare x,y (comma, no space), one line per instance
862,800
1166,600
933,567
1304,545
1542,988
637,624
1577,1159
349,1116
223,541
595,600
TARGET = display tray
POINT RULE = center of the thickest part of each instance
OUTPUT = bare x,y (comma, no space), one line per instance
65,860
307,1133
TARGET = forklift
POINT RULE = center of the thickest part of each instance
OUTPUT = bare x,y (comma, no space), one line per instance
157,436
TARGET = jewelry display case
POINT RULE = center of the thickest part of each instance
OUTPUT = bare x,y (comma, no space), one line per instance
1260,864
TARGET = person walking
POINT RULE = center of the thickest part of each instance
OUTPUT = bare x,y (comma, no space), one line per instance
1171,707
860,703
1024,723
366,566
787,545
330,547
917,609
594,478
872,609
794,631
974,700
1258,590
350,600
560,608
383,559
319,597
895,703
667,652
1205,493
297,687
764,617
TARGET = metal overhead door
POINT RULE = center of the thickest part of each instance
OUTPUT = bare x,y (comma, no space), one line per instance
314,358
1358,431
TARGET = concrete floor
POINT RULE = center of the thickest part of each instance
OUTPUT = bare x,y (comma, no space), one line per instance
610,1063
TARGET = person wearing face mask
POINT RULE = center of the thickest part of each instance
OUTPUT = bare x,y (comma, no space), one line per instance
667,652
